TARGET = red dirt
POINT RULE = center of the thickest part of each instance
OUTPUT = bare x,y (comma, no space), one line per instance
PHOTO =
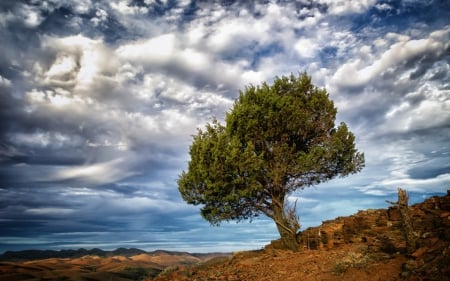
347,262
368,245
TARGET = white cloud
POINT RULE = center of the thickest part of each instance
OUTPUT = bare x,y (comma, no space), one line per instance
340,7
305,47
388,185
226,34
79,61
195,60
101,16
63,69
157,50
124,7
120,145
49,211
358,72
168,53
393,162
79,191
383,7
4,82
233,32
44,139
99,173
31,16
438,183
56,100
432,111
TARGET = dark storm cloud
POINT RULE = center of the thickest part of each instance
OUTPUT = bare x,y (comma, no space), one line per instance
68,207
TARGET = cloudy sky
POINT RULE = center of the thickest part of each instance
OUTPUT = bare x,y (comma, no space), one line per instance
99,100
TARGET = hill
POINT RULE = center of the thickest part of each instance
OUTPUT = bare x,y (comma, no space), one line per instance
83,265
28,255
368,245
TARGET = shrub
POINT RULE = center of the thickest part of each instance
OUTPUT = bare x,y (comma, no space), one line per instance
139,273
352,260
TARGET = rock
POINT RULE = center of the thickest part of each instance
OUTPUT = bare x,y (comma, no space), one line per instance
445,214
444,202
393,214
420,252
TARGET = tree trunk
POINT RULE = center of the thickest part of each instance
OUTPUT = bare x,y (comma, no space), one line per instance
408,231
287,224
406,221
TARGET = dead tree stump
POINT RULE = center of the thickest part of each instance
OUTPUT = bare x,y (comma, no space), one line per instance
408,231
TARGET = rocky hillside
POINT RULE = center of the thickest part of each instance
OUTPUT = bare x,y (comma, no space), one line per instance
368,245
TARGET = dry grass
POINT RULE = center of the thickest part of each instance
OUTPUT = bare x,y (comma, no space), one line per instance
352,260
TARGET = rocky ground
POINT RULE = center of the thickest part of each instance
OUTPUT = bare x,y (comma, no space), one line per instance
369,245
349,262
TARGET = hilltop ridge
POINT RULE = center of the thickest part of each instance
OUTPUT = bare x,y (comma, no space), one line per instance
368,245
29,255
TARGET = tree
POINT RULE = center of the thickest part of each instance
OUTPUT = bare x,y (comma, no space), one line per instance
277,139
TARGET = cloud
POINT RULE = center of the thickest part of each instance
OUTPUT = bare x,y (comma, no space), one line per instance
49,211
31,17
406,52
383,6
305,48
99,101
124,7
157,50
99,173
78,61
341,7
428,113
4,82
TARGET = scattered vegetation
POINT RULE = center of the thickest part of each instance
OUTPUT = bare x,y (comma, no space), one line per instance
352,260
169,269
139,273
387,245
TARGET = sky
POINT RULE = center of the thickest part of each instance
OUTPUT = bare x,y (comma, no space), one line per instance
99,101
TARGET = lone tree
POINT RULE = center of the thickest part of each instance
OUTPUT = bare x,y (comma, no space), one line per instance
277,139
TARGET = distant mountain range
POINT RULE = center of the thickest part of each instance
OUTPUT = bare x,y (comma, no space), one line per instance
28,255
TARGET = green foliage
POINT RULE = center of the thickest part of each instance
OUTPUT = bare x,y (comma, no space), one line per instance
220,176
277,139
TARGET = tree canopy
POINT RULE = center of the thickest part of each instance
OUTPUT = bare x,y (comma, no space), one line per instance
277,139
